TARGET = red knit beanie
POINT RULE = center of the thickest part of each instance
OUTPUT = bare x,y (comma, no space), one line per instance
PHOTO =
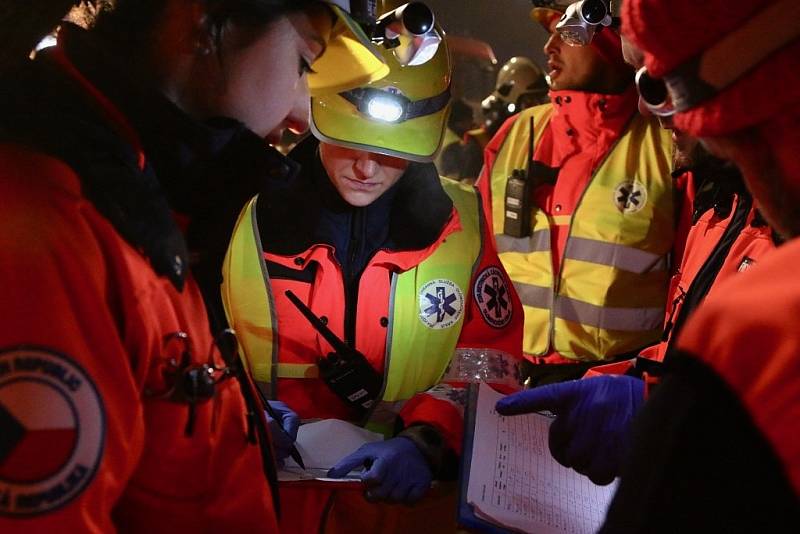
672,33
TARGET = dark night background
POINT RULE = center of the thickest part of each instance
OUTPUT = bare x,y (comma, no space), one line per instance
505,25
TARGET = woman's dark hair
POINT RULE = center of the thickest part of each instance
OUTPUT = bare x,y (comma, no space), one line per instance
129,22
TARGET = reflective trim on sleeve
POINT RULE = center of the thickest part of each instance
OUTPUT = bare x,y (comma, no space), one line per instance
296,370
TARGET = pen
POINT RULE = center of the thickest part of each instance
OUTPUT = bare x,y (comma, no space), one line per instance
293,452
229,348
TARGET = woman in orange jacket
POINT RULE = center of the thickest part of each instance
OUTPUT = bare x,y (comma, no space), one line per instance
397,263
117,411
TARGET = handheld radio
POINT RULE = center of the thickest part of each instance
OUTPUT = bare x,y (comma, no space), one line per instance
517,205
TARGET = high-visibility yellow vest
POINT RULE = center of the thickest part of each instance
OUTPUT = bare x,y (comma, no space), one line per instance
608,298
418,347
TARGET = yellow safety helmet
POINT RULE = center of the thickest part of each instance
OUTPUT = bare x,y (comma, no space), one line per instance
403,114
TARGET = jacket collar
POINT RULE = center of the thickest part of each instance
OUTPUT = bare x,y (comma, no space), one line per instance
296,213
588,118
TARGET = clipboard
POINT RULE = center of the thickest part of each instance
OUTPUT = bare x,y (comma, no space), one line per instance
516,485
466,515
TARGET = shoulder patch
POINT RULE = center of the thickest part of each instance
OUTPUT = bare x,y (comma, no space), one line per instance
441,303
491,296
53,427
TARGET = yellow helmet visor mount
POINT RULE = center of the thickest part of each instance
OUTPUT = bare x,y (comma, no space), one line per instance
350,59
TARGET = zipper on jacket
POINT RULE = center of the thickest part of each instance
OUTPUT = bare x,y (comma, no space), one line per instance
670,322
705,277
557,275
352,273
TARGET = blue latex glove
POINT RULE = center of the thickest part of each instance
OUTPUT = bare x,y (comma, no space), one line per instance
591,432
396,470
283,431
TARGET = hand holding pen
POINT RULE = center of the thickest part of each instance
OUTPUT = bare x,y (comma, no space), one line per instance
283,425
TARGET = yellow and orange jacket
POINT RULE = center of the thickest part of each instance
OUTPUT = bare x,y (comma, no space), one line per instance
593,275
424,232
727,238
423,235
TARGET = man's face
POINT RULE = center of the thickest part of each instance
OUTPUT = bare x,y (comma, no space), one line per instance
687,151
571,67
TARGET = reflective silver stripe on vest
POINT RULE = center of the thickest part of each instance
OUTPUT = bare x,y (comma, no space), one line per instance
608,318
620,256
539,241
534,296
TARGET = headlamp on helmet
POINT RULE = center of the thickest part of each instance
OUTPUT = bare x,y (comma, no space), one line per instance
402,115
582,20
390,105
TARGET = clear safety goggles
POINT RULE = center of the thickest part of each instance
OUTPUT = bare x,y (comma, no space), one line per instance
353,56
582,20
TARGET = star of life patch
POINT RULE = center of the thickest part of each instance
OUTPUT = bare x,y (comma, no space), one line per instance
491,296
441,303
53,426
630,196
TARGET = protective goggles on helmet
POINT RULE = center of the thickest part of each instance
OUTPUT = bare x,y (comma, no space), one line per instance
409,32
581,21
387,105
654,94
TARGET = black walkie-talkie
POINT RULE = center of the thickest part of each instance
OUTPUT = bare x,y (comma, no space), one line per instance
517,205
346,371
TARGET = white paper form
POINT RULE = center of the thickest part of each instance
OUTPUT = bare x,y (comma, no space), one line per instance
322,444
514,481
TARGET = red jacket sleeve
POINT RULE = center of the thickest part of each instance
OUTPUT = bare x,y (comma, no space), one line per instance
85,442
56,302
